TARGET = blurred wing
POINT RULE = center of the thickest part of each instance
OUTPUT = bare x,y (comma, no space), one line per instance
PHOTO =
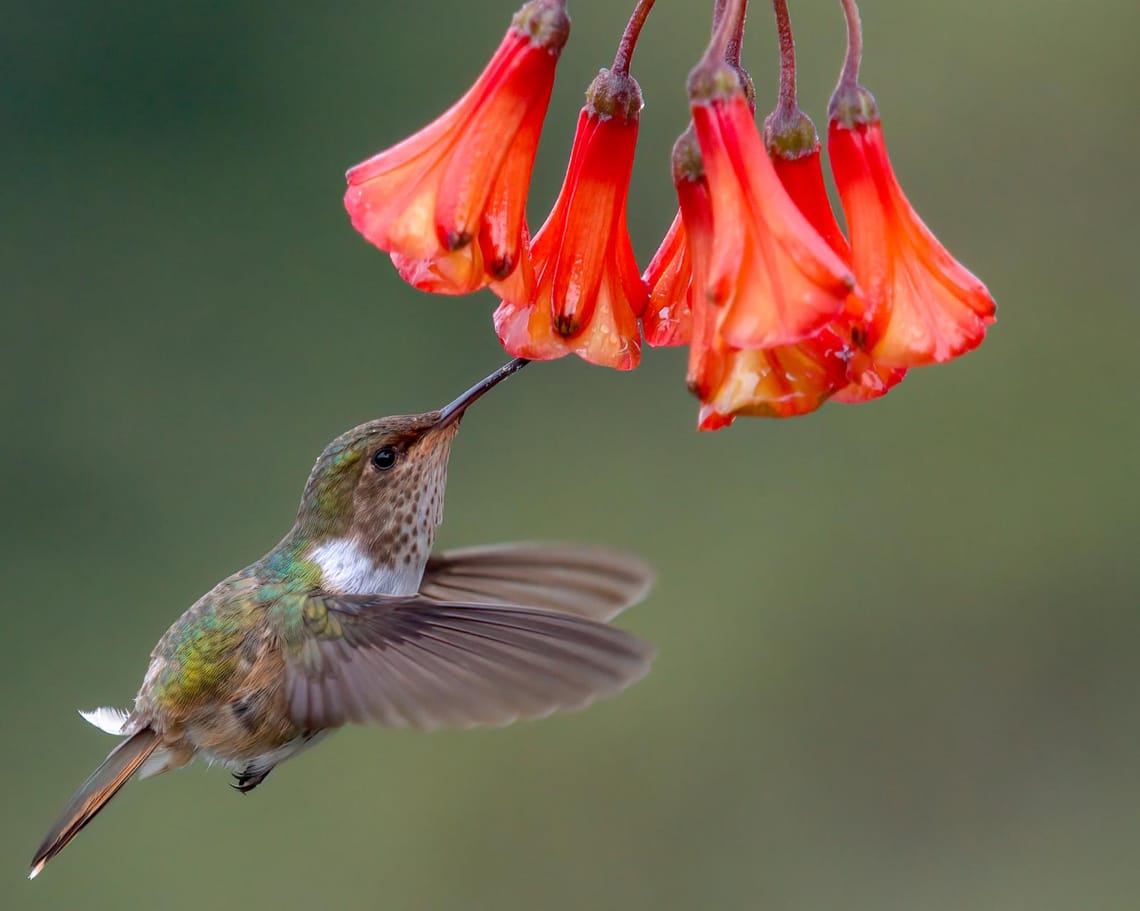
413,662
585,581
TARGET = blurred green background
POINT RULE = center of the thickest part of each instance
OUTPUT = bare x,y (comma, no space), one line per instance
898,642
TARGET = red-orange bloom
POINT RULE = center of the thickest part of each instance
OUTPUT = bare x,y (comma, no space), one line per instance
780,381
795,151
776,278
697,227
580,291
449,202
668,317
802,177
923,305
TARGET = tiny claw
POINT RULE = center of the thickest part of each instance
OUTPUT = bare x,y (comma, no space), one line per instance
246,781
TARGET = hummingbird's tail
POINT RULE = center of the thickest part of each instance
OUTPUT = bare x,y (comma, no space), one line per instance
94,793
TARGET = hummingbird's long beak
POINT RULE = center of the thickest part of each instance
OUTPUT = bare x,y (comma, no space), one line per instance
454,411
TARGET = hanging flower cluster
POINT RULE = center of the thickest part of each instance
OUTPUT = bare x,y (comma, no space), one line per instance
780,309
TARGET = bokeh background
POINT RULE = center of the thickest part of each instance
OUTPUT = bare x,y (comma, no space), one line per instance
898,642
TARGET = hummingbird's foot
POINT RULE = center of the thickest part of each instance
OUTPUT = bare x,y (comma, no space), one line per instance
249,778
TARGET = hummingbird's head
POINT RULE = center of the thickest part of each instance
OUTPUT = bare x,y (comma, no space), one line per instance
375,495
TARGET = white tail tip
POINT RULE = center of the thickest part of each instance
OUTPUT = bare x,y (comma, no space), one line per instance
113,721
35,871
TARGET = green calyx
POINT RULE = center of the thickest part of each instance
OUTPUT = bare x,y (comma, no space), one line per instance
688,165
790,134
749,86
713,81
852,106
545,23
615,95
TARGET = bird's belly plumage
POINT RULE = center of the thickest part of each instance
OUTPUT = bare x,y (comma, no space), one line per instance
247,718
214,685
267,759
226,735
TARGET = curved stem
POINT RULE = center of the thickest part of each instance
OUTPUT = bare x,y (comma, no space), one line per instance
736,39
629,37
728,29
850,73
718,13
787,103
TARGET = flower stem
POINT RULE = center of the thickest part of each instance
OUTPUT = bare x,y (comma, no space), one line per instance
727,34
629,37
788,132
852,106
736,37
718,13
850,73
787,103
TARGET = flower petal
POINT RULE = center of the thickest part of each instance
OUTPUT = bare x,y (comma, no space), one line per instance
667,319
924,306
579,290
777,278
449,202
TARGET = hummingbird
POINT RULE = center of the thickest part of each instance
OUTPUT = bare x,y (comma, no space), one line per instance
352,618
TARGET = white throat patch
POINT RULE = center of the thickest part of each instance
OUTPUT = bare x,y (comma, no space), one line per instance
348,570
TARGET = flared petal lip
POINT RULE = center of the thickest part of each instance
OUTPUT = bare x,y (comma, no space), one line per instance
427,197
778,279
940,310
582,291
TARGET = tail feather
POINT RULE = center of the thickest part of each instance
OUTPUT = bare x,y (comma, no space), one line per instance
94,793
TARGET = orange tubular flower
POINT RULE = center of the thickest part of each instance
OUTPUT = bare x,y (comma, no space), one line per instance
667,319
697,226
794,147
782,381
581,292
449,202
795,152
924,306
776,278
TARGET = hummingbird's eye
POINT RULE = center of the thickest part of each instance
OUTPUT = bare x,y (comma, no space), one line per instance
383,459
